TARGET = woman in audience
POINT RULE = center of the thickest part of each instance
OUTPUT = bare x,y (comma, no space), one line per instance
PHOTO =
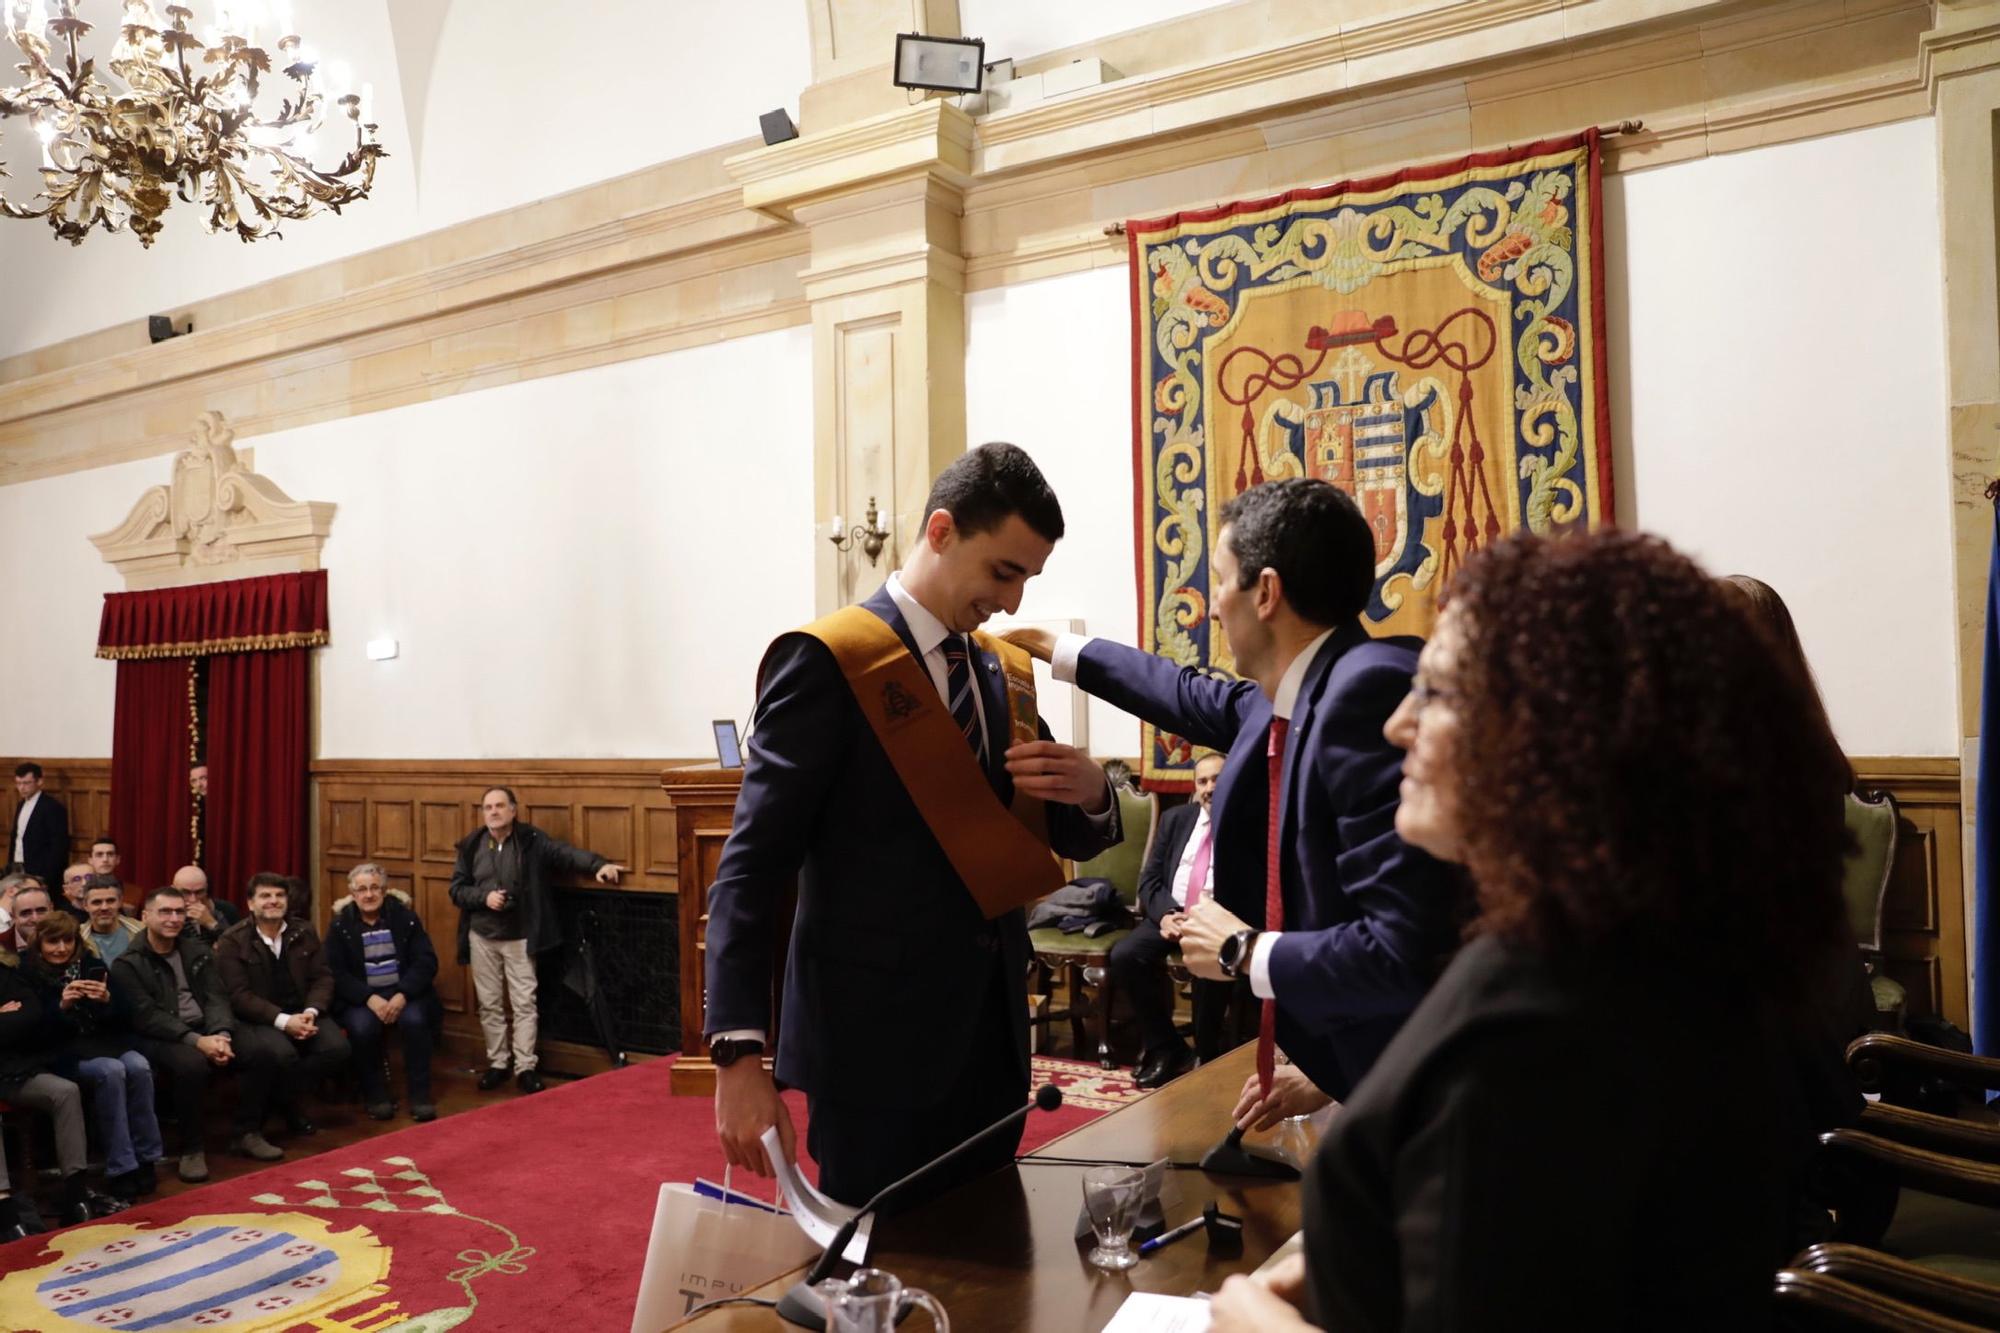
1601,1115
383,966
86,1046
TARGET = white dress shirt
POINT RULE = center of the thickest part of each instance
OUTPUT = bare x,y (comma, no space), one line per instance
1184,872
276,944
21,827
1062,665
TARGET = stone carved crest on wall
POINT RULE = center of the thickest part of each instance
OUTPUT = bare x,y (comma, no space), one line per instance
216,519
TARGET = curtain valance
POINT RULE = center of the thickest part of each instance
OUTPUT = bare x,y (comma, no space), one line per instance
239,616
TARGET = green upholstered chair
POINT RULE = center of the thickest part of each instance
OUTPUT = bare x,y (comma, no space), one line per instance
1081,961
1871,819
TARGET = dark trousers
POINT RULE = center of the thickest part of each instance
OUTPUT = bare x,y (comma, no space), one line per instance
275,1063
860,1149
1138,963
413,1025
188,1072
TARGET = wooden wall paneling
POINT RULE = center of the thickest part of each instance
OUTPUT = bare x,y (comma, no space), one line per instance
409,815
84,788
1923,913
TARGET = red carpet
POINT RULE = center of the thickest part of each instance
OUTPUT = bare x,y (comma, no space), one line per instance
531,1214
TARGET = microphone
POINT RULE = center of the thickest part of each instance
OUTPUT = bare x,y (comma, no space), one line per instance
802,1305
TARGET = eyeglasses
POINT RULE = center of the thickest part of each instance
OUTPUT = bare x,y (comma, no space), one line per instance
1423,694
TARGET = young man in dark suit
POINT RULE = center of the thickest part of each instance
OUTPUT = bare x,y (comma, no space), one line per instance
1365,921
905,1003
40,840
1178,874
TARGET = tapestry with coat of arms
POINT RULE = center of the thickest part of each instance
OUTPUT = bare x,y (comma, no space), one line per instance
1431,342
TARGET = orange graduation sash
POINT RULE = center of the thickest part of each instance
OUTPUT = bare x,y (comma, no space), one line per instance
1002,853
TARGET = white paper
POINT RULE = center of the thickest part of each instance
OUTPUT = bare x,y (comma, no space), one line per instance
1150,1312
818,1216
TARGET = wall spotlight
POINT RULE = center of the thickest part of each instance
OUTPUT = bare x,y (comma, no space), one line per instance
940,64
777,126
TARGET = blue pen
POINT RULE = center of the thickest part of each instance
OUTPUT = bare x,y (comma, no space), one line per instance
1186,1228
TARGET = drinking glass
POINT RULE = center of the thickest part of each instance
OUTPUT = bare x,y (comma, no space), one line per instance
1112,1195
868,1303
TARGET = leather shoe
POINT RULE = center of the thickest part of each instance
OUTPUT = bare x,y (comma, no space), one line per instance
492,1079
300,1124
149,1178
531,1081
124,1185
381,1110
423,1111
1164,1068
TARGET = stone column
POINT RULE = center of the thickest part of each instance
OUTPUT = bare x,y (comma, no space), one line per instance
1962,67
881,199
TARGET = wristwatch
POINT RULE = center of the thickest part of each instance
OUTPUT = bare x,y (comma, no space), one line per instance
729,1050
1234,955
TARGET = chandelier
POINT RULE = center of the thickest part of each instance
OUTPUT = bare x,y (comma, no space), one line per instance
185,124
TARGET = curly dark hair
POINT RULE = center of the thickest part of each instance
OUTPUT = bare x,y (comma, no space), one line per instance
1642,779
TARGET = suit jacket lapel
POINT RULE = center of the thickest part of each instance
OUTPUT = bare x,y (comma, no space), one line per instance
1304,712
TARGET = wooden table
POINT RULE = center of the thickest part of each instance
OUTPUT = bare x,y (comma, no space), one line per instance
1000,1252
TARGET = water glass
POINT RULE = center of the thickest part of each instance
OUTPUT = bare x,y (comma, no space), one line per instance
869,1301
1112,1194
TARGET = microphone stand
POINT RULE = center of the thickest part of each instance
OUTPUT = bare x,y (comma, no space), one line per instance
1231,1158
802,1305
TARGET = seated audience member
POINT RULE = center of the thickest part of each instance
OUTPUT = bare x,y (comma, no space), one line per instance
109,930
75,880
25,1080
383,966
171,994
1176,876
275,974
1639,789
89,1049
207,915
10,887
31,908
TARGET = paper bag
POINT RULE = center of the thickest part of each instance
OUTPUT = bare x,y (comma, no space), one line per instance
702,1249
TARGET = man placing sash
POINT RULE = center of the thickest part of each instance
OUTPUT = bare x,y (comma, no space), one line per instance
900,776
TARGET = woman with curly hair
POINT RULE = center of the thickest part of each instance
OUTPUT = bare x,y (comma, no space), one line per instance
1601,1115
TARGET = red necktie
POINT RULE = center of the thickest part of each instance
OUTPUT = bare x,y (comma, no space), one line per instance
1274,902
1198,877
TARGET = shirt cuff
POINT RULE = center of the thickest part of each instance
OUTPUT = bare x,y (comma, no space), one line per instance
280,1021
1260,963
1062,662
738,1034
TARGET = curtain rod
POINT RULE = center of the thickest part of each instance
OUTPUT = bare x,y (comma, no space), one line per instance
1605,131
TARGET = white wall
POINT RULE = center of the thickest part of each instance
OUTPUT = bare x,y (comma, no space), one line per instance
1778,405
655,80
1048,365
491,133
1777,364
1023,29
55,696
586,565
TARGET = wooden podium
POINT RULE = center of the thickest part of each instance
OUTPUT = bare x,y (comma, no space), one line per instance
703,799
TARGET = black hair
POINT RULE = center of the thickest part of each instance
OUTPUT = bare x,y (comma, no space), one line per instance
265,879
104,840
29,769
1312,535
980,489
164,891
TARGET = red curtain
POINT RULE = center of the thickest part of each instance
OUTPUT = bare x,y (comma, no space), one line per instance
149,771
255,634
239,616
257,735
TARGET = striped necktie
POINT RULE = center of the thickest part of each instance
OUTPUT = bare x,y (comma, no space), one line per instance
958,688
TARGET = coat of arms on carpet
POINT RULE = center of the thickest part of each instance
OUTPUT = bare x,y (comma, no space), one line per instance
239,1272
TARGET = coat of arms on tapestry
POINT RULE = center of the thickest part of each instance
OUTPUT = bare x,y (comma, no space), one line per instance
1431,342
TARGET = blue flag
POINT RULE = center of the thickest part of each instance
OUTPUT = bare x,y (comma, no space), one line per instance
1986,828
